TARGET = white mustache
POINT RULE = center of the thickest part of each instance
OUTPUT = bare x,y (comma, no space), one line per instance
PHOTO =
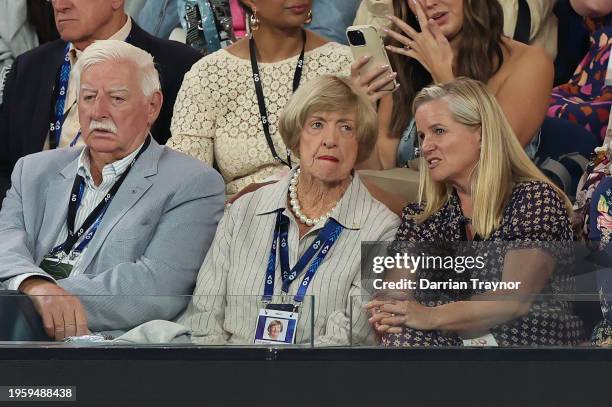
105,125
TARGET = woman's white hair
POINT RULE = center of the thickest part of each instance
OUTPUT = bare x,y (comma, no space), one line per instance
113,50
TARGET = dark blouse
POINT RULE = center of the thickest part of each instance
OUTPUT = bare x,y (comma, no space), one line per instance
534,217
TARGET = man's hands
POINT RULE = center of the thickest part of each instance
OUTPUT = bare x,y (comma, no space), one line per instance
63,315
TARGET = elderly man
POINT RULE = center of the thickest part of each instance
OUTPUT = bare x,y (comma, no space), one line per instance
122,217
39,103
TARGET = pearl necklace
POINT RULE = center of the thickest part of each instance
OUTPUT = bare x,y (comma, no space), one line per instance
295,204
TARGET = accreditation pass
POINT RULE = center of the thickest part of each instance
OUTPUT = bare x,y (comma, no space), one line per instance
37,393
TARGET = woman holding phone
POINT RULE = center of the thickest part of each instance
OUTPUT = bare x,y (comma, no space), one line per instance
435,41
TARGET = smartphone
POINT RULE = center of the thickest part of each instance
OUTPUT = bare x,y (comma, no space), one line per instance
364,40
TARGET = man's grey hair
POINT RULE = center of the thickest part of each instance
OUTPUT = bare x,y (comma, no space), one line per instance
113,50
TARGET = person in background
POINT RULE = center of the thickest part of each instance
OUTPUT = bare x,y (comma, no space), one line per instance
587,98
133,7
219,109
39,109
436,41
25,25
159,17
479,185
375,12
330,18
542,30
109,236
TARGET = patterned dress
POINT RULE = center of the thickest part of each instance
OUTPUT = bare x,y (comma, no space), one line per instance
592,221
535,217
585,99
600,230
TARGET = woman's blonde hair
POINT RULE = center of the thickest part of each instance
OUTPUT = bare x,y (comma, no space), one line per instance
329,93
502,162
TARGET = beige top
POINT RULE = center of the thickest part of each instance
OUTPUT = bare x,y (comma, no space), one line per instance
216,115
543,23
71,125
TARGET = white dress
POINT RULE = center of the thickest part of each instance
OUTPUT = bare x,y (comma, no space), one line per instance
216,115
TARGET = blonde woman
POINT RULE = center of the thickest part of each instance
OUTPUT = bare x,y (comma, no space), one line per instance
479,185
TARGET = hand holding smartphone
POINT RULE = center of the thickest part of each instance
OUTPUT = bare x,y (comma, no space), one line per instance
365,41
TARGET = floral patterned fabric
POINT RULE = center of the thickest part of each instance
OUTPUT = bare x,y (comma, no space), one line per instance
592,221
585,99
216,115
598,169
535,216
600,219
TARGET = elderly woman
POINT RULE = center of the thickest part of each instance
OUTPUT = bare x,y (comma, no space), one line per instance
301,237
479,185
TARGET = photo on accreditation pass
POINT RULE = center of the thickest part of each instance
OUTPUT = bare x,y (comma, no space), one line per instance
275,327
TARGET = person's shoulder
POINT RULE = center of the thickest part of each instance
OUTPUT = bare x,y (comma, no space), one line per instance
330,58
519,54
248,204
412,209
375,211
528,187
57,156
186,170
220,59
48,162
42,52
536,193
166,50
239,49
537,211
183,163
333,50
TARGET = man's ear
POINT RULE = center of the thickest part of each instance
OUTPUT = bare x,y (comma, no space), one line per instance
154,106
118,4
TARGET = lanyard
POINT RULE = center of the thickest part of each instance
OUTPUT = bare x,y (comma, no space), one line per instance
95,217
260,96
58,117
320,247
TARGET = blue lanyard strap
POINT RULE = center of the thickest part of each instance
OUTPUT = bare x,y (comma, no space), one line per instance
57,121
92,222
55,127
320,247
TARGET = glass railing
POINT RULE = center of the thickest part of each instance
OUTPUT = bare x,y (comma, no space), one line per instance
483,294
231,320
545,304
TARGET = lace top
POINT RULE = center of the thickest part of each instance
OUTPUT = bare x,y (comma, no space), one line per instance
216,115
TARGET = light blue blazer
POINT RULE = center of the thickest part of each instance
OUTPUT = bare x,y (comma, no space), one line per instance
148,248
